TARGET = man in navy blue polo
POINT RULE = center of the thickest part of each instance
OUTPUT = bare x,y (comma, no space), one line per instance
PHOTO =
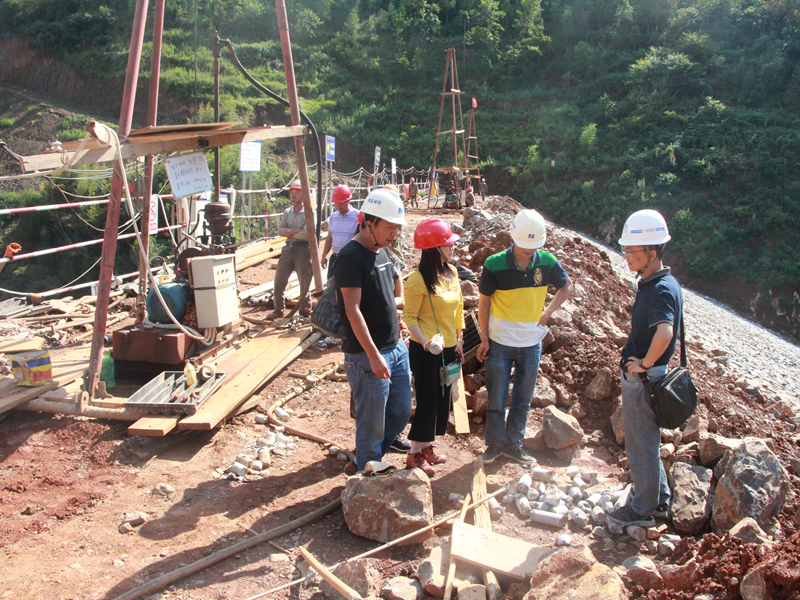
655,322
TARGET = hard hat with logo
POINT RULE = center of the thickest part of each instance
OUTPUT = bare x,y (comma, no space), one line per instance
528,230
385,204
432,233
645,228
295,185
341,193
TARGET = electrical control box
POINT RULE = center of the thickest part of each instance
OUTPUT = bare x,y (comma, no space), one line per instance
214,282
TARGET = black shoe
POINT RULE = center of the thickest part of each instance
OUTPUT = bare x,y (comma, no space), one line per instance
626,516
400,445
661,511
491,453
519,455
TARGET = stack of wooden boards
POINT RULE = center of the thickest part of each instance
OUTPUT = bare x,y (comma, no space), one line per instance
249,367
257,252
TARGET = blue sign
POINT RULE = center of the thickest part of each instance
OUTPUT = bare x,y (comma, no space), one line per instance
377,156
330,148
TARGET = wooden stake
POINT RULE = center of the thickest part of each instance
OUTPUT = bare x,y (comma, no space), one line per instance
451,570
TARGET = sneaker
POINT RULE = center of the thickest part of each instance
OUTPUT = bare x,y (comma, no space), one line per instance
275,314
400,445
661,511
491,453
350,468
626,516
430,455
417,461
519,455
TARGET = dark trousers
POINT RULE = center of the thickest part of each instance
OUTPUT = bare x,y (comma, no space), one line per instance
433,406
331,262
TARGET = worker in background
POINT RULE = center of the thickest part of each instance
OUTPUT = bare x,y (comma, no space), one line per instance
655,323
450,197
512,317
11,250
342,226
484,189
375,358
469,197
295,256
413,190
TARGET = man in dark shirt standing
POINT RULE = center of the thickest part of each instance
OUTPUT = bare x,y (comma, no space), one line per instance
655,322
375,359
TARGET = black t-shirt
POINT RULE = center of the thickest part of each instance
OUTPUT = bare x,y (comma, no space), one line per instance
358,267
658,300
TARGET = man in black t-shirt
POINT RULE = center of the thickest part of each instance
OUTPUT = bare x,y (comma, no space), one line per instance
375,359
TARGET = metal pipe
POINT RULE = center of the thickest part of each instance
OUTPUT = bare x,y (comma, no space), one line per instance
294,109
152,119
112,216
216,49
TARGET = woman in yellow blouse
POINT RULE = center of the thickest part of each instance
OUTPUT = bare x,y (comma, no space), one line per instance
433,305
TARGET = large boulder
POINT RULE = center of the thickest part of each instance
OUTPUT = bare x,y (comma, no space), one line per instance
754,484
402,588
560,429
386,508
691,500
601,387
573,572
564,337
479,258
360,575
696,428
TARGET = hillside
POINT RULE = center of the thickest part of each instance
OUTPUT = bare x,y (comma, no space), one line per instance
586,110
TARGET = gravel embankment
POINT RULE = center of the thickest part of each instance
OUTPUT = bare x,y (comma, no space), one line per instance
757,353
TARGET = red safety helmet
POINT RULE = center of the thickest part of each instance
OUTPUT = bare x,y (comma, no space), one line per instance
296,185
341,193
469,189
360,218
432,233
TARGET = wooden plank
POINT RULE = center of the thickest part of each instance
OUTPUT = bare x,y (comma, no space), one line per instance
177,142
154,426
459,396
151,129
496,552
483,519
226,400
13,346
21,395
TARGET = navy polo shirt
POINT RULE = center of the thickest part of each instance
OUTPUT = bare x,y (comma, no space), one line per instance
658,300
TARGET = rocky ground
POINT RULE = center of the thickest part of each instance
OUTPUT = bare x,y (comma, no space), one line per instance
68,482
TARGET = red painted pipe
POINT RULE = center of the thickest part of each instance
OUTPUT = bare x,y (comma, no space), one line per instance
112,216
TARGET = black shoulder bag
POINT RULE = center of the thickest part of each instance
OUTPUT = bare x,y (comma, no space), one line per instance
674,397
326,316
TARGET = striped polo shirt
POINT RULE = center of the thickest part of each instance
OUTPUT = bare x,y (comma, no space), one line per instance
342,228
518,296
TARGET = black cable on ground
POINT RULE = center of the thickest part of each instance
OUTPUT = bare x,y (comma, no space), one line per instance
228,44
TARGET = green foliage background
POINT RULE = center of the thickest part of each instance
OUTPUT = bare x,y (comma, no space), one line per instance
588,109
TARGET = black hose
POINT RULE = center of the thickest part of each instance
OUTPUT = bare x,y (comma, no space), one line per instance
228,44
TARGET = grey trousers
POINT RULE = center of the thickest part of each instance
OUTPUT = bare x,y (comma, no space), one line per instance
294,258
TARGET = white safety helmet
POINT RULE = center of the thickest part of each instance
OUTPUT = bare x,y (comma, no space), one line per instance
645,228
385,204
528,230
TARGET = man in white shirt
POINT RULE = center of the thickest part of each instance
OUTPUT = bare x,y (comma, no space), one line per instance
342,226
295,255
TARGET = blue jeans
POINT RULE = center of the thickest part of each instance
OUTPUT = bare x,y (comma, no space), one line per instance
499,431
383,406
642,443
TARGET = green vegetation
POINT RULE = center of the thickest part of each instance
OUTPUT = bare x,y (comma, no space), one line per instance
588,109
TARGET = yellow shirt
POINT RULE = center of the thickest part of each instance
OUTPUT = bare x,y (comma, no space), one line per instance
447,302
